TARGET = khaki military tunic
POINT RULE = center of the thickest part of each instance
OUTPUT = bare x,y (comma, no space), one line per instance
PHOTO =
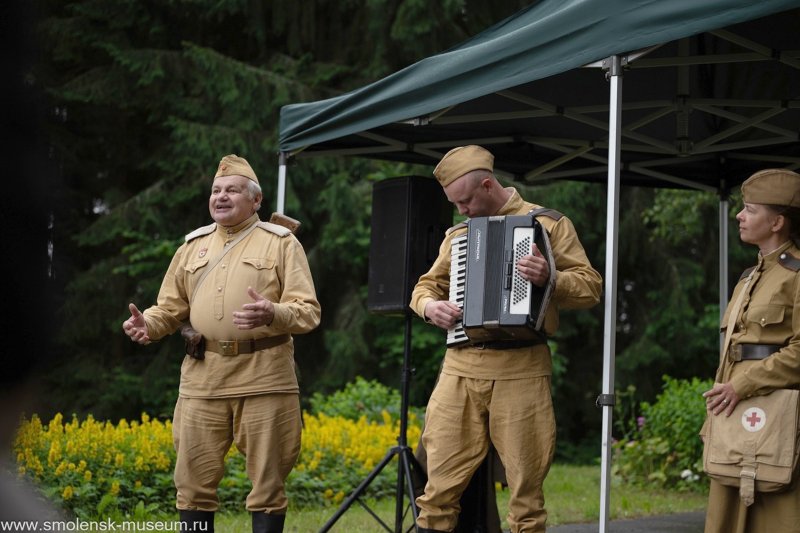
502,396
275,266
770,314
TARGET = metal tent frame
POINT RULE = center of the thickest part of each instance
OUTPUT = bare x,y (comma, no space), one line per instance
712,95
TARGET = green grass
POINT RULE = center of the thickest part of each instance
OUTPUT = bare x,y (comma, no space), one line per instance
572,495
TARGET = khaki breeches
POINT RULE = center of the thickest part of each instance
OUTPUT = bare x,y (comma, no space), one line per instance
266,429
462,417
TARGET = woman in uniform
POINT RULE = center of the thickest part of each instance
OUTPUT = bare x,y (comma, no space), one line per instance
762,350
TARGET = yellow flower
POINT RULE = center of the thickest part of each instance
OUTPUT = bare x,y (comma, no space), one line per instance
107,454
55,425
54,455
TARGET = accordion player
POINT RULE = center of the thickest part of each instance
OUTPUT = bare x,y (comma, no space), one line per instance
497,303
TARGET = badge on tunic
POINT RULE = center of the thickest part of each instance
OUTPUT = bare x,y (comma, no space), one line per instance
202,252
753,419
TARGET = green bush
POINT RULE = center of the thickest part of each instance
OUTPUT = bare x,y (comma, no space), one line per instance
665,449
360,398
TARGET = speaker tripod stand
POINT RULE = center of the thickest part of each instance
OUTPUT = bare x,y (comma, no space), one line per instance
408,468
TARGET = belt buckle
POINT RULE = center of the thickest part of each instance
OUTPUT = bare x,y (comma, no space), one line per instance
735,352
229,347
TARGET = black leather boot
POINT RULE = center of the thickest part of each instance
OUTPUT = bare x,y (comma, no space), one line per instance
197,521
268,523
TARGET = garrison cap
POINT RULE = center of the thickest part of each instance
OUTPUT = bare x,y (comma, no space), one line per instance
773,186
461,160
233,165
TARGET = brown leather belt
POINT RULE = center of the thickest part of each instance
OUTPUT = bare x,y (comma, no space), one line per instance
507,345
753,352
245,346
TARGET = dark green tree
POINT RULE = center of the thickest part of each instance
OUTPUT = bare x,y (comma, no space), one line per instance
143,97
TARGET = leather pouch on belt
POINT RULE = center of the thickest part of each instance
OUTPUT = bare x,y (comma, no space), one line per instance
195,343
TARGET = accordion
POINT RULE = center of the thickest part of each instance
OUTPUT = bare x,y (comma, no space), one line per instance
497,303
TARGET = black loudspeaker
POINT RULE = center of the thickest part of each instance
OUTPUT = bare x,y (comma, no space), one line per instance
409,217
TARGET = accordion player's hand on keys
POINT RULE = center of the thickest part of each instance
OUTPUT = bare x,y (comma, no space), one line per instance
534,267
443,313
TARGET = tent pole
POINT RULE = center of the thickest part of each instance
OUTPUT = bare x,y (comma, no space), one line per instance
283,158
723,253
606,400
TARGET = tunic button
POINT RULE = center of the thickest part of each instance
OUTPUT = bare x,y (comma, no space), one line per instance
783,256
763,320
219,289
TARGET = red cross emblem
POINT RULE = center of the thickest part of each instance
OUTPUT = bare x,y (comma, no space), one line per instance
754,419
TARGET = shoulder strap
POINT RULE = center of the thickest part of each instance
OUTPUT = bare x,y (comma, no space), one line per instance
280,231
546,212
789,261
734,315
199,232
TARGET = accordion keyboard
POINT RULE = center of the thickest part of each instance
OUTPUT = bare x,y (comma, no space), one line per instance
458,277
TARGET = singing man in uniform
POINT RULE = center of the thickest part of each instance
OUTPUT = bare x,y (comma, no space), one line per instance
246,287
497,392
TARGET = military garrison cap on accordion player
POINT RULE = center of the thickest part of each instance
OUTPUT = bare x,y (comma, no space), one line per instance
461,160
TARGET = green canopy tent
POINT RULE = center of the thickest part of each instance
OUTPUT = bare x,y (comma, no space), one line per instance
519,84
712,93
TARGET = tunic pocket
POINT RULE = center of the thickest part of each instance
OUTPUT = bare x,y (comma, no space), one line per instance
191,268
259,262
765,315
